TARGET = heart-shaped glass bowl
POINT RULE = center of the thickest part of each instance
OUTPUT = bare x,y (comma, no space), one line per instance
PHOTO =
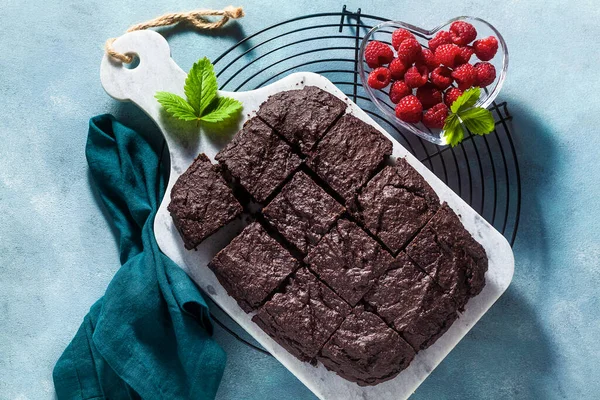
383,33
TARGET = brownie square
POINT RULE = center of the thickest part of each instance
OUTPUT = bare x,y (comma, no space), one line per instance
259,159
395,204
348,260
450,255
412,303
302,212
365,350
252,266
201,202
303,316
301,116
349,154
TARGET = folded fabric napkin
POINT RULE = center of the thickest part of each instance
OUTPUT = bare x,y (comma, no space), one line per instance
150,335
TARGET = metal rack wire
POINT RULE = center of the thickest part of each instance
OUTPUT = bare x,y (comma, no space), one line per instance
484,171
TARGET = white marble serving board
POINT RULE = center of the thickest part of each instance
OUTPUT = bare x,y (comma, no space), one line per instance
158,72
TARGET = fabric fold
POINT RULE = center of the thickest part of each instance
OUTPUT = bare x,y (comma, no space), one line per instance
149,336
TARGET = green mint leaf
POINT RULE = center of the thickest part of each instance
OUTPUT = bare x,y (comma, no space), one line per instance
223,109
176,106
201,85
466,100
453,131
478,120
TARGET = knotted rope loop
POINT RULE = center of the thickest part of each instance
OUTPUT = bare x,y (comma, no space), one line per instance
195,18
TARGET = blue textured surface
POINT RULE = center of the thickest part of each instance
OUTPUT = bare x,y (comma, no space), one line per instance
57,252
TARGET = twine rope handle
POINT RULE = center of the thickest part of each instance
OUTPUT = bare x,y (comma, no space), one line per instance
195,18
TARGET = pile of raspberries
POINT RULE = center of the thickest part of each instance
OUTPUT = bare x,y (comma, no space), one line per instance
441,70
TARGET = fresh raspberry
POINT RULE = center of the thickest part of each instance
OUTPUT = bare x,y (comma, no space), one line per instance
428,58
462,33
409,50
436,116
465,55
416,76
447,54
399,36
486,74
379,78
465,75
442,77
397,68
485,49
429,95
378,54
399,90
451,95
409,109
440,38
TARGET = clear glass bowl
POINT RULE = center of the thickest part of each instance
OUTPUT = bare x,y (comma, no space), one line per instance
383,33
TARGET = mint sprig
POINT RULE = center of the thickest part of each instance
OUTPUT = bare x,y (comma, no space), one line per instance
201,103
478,120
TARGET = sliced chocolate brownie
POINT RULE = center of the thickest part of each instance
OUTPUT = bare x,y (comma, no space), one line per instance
365,350
259,159
450,255
301,116
303,316
349,154
201,202
348,260
252,266
302,212
395,204
412,303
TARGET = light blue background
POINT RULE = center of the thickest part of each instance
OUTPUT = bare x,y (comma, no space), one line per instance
58,253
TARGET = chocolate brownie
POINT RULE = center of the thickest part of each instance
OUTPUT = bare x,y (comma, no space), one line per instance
349,154
258,158
412,303
301,116
348,260
365,350
201,202
252,266
450,255
302,212
303,316
395,204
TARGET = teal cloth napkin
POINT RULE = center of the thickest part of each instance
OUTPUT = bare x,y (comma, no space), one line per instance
150,335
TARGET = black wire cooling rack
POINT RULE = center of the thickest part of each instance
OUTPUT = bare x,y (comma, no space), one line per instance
483,170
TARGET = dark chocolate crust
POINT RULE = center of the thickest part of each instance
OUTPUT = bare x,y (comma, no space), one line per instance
412,303
302,212
449,254
303,316
395,204
365,350
252,266
259,159
201,202
349,154
301,116
348,260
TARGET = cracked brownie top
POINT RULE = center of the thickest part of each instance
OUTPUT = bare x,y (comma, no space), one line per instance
395,204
